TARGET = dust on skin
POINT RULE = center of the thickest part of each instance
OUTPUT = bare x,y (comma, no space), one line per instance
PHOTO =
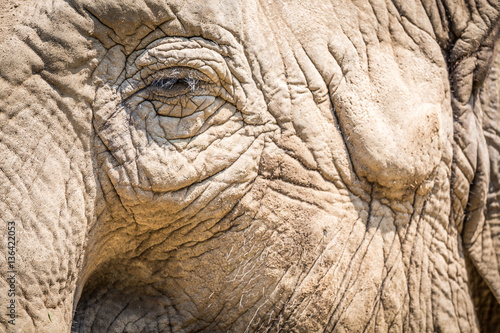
9,15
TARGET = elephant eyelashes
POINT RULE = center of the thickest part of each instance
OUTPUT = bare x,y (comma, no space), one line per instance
166,83
173,86
176,82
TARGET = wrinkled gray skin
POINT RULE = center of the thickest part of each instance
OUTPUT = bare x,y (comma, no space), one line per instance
215,166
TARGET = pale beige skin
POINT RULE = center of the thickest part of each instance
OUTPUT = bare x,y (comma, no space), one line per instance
282,166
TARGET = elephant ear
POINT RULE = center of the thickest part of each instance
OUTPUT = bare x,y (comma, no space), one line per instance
481,232
475,86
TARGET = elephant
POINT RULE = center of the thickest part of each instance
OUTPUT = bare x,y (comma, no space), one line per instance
250,166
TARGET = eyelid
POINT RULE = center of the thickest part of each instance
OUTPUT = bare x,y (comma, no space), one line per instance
177,82
209,64
178,73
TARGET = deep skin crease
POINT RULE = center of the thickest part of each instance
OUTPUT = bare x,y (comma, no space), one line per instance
250,167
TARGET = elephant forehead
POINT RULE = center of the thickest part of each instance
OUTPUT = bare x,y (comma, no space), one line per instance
125,17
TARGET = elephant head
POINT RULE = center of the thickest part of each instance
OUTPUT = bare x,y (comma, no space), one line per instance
256,166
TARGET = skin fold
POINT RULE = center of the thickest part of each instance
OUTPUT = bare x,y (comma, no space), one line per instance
252,166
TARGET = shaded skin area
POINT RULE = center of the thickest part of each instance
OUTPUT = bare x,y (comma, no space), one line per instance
252,167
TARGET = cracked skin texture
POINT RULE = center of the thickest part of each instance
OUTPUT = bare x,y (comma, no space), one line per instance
278,166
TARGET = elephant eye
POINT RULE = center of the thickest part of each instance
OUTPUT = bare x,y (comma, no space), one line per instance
179,93
176,82
172,86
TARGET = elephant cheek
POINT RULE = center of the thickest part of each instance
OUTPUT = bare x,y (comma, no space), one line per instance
166,171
